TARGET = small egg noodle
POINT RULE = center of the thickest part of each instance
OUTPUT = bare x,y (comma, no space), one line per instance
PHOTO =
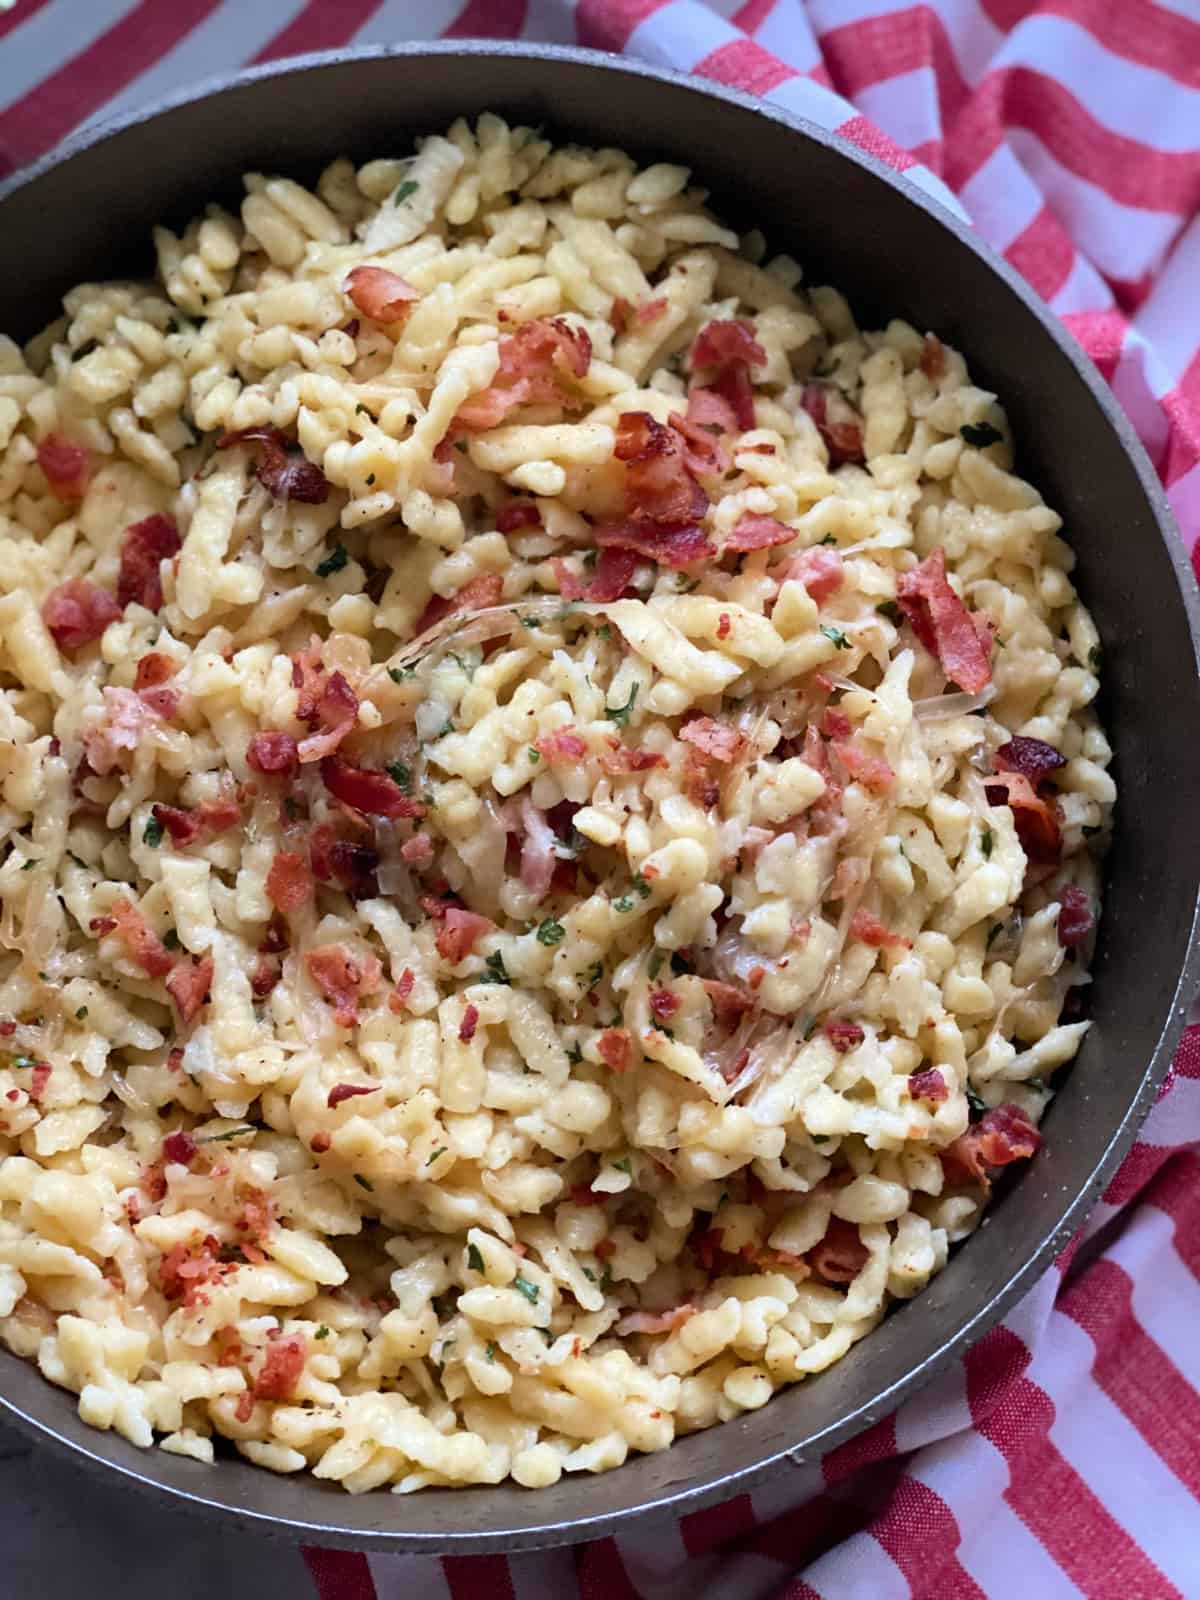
550,821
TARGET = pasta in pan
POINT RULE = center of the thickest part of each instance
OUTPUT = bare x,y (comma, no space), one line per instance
551,811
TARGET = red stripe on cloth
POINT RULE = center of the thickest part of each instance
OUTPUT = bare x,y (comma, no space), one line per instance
21,12
1176,1191
1135,1172
745,65
878,1443
1102,335
340,1574
319,26
600,1572
1148,34
478,1577
874,49
705,1531
921,1534
869,138
1134,1372
488,19
753,14
50,110
1043,254
800,1536
1046,1492
607,24
1187,1057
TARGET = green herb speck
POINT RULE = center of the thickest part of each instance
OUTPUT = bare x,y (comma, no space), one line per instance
980,434
625,1165
474,1258
405,191
551,933
224,1138
534,756
985,844
28,866
81,1014
977,1105
322,1332
655,967
625,903
401,775
1094,658
364,1183
529,1290
152,834
836,638
440,1151
333,562
494,971
621,714
401,674
491,1350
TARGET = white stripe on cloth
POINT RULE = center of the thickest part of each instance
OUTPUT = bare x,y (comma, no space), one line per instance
905,107
1175,1119
49,39
1163,321
860,1569
679,34
400,19
550,22
398,1577
935,1412
1083,290
1184,495
232,35
786,33
1001,198
1166,1296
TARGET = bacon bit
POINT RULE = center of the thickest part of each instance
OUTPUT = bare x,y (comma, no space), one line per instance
263,979
872,771
12,1094
758,533
835,724
708,409
460,932
188,1268
841,1255
1032,758
843,1036
664,1004
658,485
518,514
77,613
400,995
470,1021
757,977
718,741
320,1142
375,793
188,985
724,340
584,1195
153,669
704,451
562,745
616,1048
281,1370
650,310
273,754
1076,919
818,569
733,393
605,1249
347,1091
39,1080
699,782
537,364
620,314
153,1183
64,465
619,759
275,939
181,825
283,475
335,713
180,1147
933,356
379,294
146,545
289,882
842,433
727,999
676,547
928,1085
1035,820
1001,1136
164,703
867,927
656,1321
611,576
140,940
724,625
477,595
342,977
101,926
8,1027
417,851
943,624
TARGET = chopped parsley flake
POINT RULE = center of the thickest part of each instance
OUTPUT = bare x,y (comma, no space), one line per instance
810,1027
401,774
364,1183
985,844
593,974
534,756
81,1014
625,1165
977,1105
440,1151
836,638
361,411
621,714
625,903
529,1290
606,1280
590,1275
574,1055
224,1138
474,1258
642,887
491,1350
446,727
531,623
604,632
322,1332
493,969
551,933
28,866
829,539
656,961
401,674
994,932
405,191
1094,658
980,434
333,562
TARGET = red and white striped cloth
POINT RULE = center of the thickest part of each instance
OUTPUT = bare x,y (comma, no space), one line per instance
1062,1456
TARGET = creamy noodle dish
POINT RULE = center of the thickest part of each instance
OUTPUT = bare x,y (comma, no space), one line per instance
550,810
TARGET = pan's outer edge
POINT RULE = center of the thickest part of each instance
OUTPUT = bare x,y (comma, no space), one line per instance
468,1540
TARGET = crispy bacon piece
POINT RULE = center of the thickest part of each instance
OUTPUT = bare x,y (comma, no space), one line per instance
611,576
1035,819
470,1021
147,544
841,1255
518,514
728,1000
928,1085
349,863
347,1091
538,853
865,926
460,932
758,533
335,713
273,754
264,978
619,759
127,721
704,451
64,466
716,740
188,984
664,1003
658,485
724,625
724,340
656,1321
382,295
944,625
280,1371
320,1142
375,793
933,356
210,816
180,1147
400,995
417,851
872,771
564,744
77,613
481,592
289,882
537,365
153,670
670,546
188,1268
584,1195
1032,758
284,475
1001,1136
843,1036
39,1080
1076,920
620,314
140,940
839,425
342,977
835,724
616,1048
818,569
